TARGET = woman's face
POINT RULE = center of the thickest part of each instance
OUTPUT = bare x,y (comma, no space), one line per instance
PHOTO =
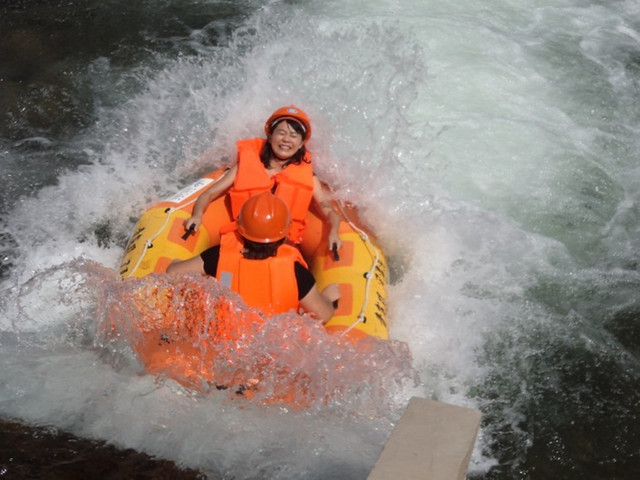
285,141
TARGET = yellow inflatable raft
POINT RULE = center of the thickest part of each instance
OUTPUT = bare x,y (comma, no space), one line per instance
361,269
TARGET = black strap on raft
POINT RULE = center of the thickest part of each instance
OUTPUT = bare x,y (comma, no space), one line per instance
336,258
190,230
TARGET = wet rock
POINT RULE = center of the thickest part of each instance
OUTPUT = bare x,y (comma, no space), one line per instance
32,452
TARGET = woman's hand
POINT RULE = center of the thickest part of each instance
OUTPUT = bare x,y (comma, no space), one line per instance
335,243
219,187
193,223
321,304
330,215
331,292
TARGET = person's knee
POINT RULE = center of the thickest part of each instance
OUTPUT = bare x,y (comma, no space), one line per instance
174,266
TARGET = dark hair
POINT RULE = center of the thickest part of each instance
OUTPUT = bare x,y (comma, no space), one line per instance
260,251
297,157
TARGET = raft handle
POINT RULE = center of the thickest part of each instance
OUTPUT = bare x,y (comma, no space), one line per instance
189,231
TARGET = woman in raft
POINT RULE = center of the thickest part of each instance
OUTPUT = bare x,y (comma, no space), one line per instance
253,260
280,164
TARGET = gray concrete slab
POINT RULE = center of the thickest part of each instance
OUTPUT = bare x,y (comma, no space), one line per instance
432,440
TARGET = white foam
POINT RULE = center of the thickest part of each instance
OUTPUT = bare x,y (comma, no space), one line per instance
475,154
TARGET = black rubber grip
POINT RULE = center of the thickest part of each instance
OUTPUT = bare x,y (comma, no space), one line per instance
190,230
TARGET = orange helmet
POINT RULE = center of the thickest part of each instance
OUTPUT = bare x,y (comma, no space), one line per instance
291,112
264,218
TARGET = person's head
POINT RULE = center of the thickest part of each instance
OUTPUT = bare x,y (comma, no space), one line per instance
287,129
263,223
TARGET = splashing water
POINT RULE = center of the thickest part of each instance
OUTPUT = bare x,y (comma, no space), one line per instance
197,332
490,146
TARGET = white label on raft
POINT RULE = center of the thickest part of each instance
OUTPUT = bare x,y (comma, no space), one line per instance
186,192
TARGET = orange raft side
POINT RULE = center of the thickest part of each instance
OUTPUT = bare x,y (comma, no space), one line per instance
361,270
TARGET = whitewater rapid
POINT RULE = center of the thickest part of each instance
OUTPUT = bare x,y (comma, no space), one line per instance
492,149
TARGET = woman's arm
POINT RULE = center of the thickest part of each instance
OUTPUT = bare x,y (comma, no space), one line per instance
325,207
218,188
194,264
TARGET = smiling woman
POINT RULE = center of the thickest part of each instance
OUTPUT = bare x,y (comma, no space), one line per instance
280,164
286,136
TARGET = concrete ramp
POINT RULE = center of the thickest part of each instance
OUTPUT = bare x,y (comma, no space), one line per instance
432,441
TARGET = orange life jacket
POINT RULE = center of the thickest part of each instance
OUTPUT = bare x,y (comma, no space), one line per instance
268,284
294,184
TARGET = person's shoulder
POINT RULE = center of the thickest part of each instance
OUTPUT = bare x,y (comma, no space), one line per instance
304,279
303,272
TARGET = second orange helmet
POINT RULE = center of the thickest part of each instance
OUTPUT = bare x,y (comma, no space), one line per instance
264,218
